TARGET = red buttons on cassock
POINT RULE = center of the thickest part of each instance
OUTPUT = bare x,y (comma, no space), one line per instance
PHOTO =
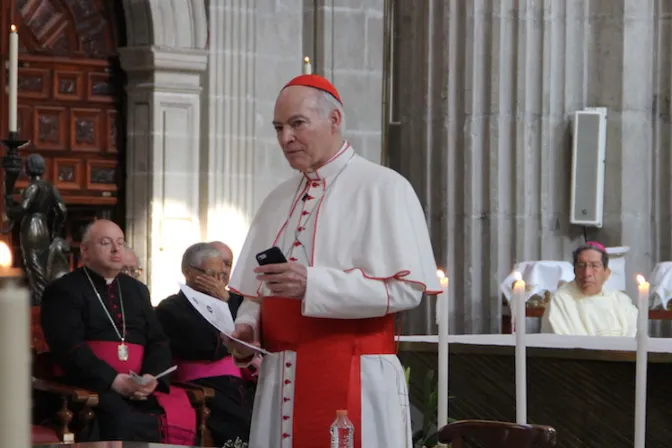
305,212
289,364
288,382
285,417
285,435
297,243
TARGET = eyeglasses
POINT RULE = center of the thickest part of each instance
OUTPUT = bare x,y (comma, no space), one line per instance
210,273
132,271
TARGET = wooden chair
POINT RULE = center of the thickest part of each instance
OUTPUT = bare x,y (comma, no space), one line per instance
199,396
492,434
56,428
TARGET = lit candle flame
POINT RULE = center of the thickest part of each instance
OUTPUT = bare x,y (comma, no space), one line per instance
13,28
5,255
640,279
306,60
517,276
442,279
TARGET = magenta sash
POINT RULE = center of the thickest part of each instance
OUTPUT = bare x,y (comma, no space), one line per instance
189,371
178,425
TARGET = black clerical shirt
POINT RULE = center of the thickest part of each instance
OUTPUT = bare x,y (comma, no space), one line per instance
71,315
192,337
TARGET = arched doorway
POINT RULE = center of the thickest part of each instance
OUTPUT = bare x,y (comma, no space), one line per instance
70,103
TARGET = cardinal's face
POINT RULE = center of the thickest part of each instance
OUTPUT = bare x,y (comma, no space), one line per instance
305,127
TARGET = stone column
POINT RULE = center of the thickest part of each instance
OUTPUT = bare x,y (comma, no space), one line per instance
345,41
254,48
164,88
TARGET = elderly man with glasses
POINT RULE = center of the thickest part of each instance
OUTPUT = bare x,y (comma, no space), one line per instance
199,352
131,264
583,307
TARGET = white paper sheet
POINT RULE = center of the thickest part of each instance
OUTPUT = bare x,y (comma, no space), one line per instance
216,312
142,381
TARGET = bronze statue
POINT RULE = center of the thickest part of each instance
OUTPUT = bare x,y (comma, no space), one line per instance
42,214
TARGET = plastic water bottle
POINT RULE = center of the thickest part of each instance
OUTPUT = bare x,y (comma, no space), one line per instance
342,431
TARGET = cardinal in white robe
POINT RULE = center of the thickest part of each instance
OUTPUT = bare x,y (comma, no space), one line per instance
583,307
358,252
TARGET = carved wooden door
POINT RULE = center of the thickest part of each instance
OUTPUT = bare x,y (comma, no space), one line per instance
69,102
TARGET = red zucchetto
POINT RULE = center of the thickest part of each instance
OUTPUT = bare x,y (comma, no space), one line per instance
316,82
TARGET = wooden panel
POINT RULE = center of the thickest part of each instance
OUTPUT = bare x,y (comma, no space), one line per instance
85,130
24,121
589,402
50,131
101,175
68,174
111,131
33,83
84,28
99,88
68,85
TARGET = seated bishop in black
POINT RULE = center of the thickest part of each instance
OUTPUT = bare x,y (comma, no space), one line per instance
201,356
100,326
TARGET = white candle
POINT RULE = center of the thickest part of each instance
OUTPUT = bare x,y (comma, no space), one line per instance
642,361
15,373
13,76
307,68
519,303
444,309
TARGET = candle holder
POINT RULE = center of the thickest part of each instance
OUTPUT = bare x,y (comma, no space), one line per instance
11,162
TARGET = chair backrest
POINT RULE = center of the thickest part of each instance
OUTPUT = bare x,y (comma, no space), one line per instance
492,434
42,363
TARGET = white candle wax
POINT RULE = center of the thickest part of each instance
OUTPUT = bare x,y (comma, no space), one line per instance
307,68
13,77
642,361
444,310
519,303
15,373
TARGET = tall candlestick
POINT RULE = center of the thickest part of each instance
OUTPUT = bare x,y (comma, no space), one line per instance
307,68
15,373
519,303
13,76
444,309
642,361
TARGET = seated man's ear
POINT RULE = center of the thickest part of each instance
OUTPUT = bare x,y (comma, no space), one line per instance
607,271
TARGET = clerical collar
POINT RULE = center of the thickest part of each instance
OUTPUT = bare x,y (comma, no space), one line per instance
333,165
97,277
576,292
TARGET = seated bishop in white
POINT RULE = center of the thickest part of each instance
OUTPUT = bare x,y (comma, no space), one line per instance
584,307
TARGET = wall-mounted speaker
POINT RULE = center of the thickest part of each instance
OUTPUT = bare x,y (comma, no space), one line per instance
588,163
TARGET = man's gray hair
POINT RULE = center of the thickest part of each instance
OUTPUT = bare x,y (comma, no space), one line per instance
196,254
326,103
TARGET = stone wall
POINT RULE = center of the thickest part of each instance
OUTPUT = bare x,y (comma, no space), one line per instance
489,91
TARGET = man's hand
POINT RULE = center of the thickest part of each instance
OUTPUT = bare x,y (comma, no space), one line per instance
212,287
284,279
144,390
245,333
124,385
256,364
